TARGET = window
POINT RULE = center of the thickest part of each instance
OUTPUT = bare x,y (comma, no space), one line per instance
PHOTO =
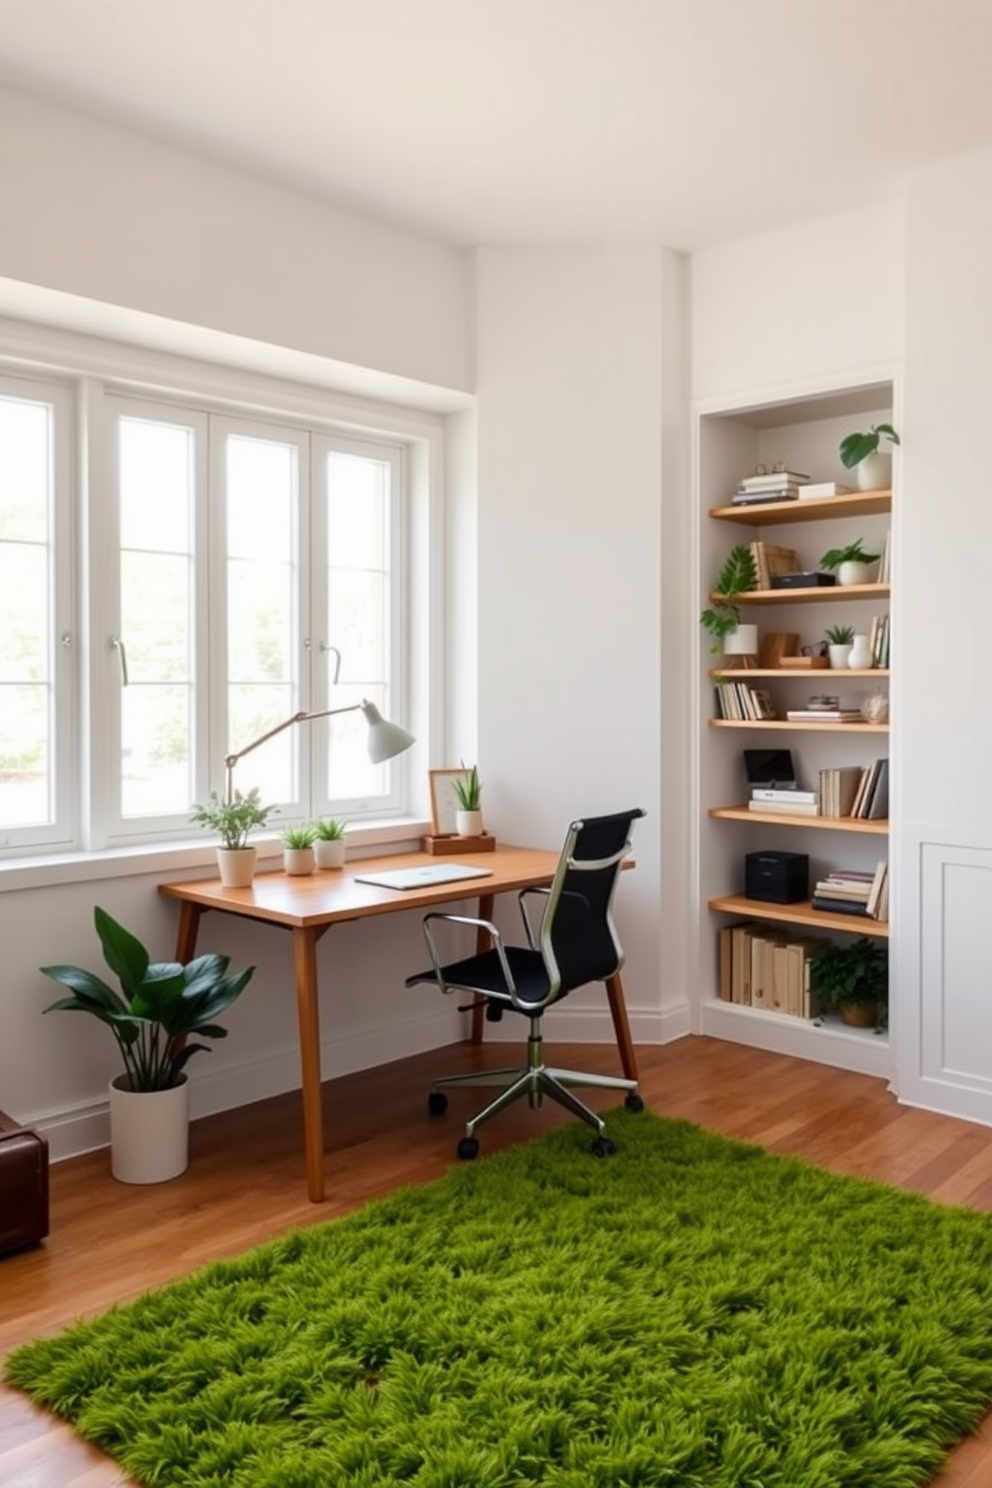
233,570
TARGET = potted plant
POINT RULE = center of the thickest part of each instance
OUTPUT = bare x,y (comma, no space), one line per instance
297,844
852,563
159,1006
722,618
233,821
840,638
329,843
468,794
852,979
861,451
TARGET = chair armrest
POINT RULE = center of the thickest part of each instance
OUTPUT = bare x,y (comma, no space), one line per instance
522,901
490,929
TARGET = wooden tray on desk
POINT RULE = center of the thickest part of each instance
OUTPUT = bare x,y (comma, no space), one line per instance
447,844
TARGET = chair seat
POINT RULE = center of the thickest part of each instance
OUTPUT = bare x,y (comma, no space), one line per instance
484,974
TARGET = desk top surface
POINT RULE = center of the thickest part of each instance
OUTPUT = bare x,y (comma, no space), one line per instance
333,895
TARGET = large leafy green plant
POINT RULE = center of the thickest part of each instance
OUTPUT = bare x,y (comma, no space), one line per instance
857,447
160,1003
857,973
737,576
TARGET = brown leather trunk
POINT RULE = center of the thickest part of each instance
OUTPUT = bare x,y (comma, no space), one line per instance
23,1185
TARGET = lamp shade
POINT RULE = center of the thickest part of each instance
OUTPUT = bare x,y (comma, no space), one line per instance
385,739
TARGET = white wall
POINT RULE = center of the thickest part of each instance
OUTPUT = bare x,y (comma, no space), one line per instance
571,392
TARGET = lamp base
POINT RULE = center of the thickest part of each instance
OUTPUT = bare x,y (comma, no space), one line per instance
447,844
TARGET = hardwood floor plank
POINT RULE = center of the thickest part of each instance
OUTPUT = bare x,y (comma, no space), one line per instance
247,1183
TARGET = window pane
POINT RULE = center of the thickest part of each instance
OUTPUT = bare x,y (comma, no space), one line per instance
262,589
156,515
26,610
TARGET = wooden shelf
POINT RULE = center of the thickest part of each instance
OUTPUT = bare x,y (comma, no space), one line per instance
798,819
813,509
783,723
800,913
809,674
810,596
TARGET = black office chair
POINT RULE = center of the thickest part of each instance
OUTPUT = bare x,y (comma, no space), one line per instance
575,944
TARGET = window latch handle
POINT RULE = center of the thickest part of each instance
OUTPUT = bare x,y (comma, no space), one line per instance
122,650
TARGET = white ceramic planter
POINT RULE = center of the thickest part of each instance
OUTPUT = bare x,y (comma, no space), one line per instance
329,853
236,866
839,656
298,861
743,641
856,573
468,823
874,472
149,1132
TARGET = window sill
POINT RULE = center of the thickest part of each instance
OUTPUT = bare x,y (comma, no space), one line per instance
199,857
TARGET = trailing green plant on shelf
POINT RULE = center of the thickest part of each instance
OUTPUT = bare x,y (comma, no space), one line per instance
737,576
299,835
853,553
855,975
159,1005
857,447
839,635
468,789
329,829
232,820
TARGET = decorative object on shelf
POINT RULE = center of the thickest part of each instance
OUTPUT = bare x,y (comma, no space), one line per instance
160,1005
297,844
875,708
468,793
860,657
860,452
775,645
852,564
329,847
853,980
840,639
722,617
233,820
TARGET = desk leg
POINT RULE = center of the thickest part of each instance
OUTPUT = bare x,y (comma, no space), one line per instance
618,1011
189,924
482,943
305,974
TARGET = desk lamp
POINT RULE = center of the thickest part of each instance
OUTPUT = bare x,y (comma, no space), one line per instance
385,739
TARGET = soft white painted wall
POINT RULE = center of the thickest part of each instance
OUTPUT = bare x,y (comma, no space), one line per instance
945,881
95,210
571,388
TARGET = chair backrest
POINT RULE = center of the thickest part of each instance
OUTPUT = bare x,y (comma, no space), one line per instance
577,936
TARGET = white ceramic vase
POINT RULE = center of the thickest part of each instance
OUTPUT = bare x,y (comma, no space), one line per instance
839,656
860,656
329,852
875,472
468,823
149,1132
236,866
298,861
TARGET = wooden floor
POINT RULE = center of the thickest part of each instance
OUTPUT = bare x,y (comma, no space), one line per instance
246,1183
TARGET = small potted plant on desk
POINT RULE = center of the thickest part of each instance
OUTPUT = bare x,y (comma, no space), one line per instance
468,794
297,844
159,1005
852,980
722,618
329,844
233,821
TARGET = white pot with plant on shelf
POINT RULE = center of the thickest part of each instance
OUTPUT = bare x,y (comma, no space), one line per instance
872,465
840,639
297,850
852,564
233,820
467,789
329,845
722,617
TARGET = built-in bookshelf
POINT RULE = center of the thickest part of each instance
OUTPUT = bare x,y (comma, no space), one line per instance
805,436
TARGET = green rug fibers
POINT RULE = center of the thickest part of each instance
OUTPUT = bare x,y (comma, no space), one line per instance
690,1312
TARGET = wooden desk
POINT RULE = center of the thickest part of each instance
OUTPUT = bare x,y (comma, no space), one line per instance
308,906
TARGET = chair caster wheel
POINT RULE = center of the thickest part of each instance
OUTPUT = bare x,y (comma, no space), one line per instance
633,1101
468,1149
437,1102
603,1147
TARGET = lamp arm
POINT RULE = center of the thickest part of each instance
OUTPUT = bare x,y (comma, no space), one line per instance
230,760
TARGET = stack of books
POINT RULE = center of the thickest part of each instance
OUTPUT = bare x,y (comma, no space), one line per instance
849,891
838,788
780,485
878,640
743,704
824,715
871,799
790,801
770,560
767,969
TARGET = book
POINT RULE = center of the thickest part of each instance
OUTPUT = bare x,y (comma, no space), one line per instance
755,498
786,808
823,488
839,906
771,478
877,805
772,793
838,788
771,560
878,882
824,715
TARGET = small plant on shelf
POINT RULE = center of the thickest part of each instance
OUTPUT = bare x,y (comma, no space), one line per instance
857,447
854,976
300,834
737,577
468,789
839,635
853,553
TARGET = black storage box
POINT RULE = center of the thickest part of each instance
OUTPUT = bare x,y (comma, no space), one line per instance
803,580
23,1185
776,877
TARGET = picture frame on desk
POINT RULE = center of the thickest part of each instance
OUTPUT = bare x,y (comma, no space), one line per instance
444,802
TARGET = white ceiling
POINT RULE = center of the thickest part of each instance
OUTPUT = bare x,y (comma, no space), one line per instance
680,122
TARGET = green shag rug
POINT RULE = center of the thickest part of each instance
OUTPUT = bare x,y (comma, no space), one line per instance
692,1313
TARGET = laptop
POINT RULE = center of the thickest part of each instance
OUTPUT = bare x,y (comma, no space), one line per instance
424,876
